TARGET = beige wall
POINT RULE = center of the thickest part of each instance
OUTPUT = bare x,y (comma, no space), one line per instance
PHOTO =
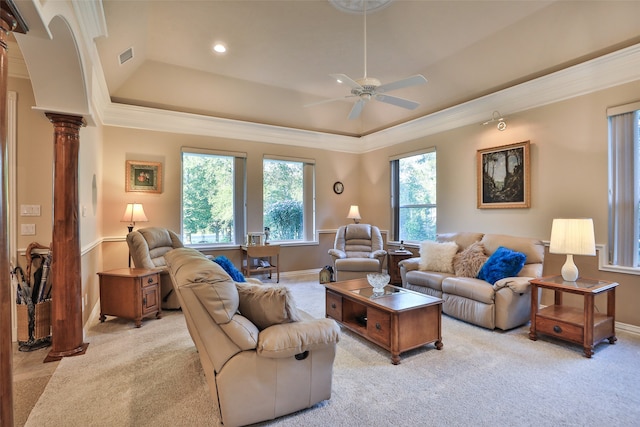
568,178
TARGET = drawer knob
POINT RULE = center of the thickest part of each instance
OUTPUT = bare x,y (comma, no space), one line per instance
333,305
378,327
150,280
557,329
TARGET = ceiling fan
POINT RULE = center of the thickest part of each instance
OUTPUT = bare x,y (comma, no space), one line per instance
367,88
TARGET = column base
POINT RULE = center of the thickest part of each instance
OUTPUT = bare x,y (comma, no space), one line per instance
54,356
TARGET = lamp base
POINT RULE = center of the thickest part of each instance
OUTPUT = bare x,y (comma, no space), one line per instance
569,270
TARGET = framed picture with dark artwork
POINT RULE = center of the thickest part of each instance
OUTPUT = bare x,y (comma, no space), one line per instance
143,176
504,177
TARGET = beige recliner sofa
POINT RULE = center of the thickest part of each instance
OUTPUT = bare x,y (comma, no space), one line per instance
147,247
357,251
262,358
505,304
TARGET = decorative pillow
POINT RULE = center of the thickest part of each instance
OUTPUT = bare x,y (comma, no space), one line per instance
503,263
266,305
436,256
469,262
231,269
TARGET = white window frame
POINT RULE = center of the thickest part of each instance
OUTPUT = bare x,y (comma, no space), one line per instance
394,163
617,182
239,195
308,196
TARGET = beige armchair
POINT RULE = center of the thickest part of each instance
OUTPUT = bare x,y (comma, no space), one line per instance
261,356
147,247
358,250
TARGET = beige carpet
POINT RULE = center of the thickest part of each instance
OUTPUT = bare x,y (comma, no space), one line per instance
152,377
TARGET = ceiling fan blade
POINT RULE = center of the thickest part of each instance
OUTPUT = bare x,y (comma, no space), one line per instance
343,78
325,101
418,79
400,102
356,110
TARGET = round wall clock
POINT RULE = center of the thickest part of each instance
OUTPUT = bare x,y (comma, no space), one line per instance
338,187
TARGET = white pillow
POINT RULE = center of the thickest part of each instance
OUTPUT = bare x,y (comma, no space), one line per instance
436,256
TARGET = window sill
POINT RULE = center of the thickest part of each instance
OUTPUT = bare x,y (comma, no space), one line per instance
232,246
620,269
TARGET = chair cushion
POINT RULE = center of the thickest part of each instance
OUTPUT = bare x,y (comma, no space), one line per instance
358,231
470,288
532,248
502,263
436,256
213,287
358,264
266,305
463,239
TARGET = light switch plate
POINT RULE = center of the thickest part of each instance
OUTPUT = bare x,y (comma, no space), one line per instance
28,229
29,210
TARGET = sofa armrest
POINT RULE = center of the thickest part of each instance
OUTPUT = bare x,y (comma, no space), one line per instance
337,253
410,264
516,284
380,254
288,339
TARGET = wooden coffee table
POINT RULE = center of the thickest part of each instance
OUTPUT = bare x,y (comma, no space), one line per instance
397,320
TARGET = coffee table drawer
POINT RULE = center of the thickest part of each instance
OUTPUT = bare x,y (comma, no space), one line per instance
334,306
379,326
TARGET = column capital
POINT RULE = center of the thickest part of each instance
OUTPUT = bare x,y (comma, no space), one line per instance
66,119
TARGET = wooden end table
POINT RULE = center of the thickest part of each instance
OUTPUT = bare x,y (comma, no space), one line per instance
130,293
261,251
398,320
392,267
580,326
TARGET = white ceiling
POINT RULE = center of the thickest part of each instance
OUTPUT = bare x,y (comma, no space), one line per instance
280,54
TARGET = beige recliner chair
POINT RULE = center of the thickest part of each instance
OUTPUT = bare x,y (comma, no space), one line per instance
261,356
147,247
358,251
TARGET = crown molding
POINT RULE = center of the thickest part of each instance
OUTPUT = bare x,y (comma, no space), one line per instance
601,73
132,116
607,71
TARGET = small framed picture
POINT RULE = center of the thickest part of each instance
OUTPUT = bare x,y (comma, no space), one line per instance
503,177
143,176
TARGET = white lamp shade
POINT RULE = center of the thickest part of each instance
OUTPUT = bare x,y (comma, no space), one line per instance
572,236
354,212
134,213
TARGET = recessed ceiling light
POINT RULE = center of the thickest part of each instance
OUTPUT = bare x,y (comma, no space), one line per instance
220,48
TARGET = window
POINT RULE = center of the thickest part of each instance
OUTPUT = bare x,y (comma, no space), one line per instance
213,197
289,198
413,196
624,186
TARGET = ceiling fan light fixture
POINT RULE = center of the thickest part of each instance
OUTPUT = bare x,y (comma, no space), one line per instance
358,6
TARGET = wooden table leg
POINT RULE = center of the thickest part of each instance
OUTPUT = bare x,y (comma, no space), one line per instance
588,325
534,310
611,312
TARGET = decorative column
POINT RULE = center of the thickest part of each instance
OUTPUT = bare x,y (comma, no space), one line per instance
10,20
7,24
66,297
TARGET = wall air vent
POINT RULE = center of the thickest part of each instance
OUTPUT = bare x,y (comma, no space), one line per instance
126,55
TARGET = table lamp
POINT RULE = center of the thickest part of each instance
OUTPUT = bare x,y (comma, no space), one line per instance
354,214
132,214
572,237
